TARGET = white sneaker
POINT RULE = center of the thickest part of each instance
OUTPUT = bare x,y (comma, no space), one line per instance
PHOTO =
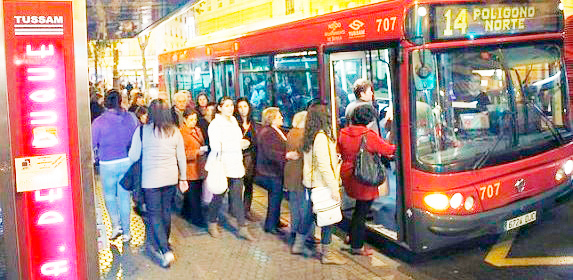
126,238
168,258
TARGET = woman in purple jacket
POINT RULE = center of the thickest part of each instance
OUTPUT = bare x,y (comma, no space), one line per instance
111,138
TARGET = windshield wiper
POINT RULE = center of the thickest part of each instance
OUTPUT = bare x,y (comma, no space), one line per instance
554,131
483,159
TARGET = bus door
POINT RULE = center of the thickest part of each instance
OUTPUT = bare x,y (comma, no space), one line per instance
224,75
377,66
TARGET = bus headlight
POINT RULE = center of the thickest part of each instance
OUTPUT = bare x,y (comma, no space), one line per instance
456,200
437,201
568,167
559,175
469,204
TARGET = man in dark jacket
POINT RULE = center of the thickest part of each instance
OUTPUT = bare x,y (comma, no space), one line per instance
364,92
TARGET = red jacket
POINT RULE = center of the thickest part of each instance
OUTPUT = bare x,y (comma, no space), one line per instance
193,140
349,145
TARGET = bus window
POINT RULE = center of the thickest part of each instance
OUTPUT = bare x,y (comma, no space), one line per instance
201,78
230,78
183,77
346,69
380,73
219,80
295,83
224,73
254,78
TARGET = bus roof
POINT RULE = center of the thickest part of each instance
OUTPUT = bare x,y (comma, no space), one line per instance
379,22
375,22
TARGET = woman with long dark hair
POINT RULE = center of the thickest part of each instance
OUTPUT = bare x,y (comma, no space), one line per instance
226,139
243,115
111,137
202,102
163,169
201,106
321,168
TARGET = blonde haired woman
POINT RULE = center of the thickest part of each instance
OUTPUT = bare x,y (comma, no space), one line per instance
299,196
271,159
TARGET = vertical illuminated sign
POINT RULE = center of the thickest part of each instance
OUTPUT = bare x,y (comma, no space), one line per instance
43,127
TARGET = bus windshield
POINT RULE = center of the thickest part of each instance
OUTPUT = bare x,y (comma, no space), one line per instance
487,106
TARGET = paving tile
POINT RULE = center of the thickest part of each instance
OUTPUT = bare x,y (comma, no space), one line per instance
199,256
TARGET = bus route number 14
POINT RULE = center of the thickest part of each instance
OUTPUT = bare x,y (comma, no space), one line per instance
386,24
489,191
460,22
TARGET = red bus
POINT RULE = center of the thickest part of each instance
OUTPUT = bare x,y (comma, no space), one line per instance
477,90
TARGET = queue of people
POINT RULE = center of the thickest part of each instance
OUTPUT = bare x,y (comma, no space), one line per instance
177,145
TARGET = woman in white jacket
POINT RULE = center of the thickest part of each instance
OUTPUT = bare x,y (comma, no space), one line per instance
226,138
321,168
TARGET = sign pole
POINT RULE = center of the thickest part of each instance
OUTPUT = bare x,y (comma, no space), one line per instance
48,202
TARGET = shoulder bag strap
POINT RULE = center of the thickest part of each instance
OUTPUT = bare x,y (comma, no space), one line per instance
311,164
363,142
141,139
329,159
220,155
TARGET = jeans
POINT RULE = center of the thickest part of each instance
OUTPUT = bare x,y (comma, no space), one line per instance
274,187
192,209
159,202
248,193
235,196
326,234
117,199
300,211
357,224
325,231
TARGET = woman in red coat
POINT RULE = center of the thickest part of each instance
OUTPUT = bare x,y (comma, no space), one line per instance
195,151
349,145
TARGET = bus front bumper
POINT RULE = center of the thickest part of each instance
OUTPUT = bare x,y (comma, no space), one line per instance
428,231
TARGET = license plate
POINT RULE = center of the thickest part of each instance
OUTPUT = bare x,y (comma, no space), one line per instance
521,220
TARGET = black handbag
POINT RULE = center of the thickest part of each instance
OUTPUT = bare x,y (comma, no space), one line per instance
369,167
131,181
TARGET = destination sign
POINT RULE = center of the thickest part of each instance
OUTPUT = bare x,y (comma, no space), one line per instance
479,20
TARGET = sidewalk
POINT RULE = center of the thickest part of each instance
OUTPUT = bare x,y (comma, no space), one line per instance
203,257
